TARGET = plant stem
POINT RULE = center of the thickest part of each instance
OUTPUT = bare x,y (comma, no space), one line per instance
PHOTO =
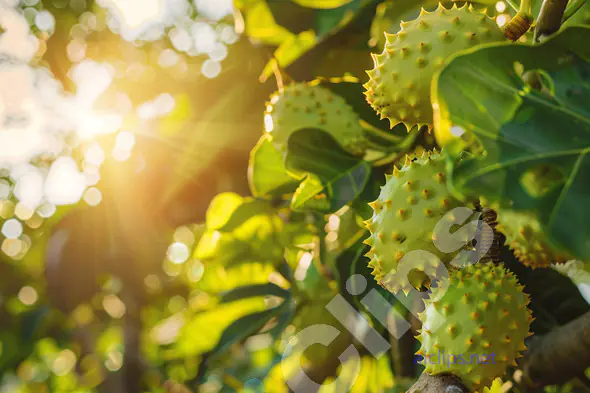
512,4
525,7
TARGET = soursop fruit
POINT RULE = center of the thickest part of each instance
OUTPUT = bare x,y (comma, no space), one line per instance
474,324
412,202
399,85
309,105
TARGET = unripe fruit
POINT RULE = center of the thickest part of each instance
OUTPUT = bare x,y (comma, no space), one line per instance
479,313
413,201
309,105
399,85
526,237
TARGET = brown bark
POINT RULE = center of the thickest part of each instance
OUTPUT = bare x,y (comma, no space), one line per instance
440,383
560,355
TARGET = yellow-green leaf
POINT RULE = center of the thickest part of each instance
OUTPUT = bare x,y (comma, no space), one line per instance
289,51
261,25
323,4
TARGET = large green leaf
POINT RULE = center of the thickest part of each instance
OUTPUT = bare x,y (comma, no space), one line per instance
322,4
213,330
524,131
261,24
250,208
329,19
222,208
340,177
267,173
290,50
295,47
268,289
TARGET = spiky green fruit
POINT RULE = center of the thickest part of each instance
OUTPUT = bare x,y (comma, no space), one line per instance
309,105
526,237
399,85
412,202
479,316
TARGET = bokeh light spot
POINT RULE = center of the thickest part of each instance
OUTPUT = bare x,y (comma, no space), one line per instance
211,68
93,196
178,253
12,229
114,306
28,296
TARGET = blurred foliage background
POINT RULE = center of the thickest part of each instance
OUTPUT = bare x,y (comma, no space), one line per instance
120,121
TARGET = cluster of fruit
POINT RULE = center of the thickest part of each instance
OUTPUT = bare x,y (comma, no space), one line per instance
476,307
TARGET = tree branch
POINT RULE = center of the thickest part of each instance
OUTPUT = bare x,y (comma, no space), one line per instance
439,383
560,355
402,354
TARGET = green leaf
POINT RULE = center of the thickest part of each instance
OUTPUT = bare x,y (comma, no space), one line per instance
326,27
222,208
243,328
248,209
524,131
322,4
222,247
310,195
327,20
204,331
339,176
261,24
219,279
290,50
267,173
268,289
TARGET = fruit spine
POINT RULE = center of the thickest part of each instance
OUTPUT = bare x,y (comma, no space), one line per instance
476,322
399,85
